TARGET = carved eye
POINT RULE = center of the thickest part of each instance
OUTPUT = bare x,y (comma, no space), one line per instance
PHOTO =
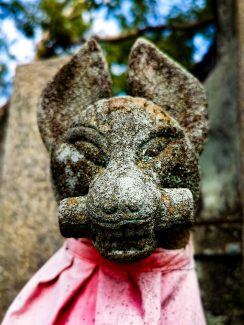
91,152
152,148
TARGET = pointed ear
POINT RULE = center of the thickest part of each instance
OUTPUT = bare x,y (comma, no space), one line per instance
81,82
154,76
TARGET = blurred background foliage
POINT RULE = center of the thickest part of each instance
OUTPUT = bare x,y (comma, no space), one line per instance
65,24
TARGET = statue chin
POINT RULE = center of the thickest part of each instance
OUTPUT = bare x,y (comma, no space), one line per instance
126,250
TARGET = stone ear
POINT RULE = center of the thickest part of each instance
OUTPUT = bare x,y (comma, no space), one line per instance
81,82
154,76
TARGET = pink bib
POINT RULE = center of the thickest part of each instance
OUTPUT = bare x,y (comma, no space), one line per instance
78,286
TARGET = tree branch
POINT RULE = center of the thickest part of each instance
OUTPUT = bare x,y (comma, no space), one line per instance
43,52
141,31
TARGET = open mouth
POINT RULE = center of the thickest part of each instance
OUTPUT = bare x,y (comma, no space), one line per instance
119,221
126,244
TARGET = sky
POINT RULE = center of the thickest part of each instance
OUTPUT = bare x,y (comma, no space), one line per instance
24,49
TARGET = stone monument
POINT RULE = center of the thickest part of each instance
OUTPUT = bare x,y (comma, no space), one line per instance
125,169
125,175
28,210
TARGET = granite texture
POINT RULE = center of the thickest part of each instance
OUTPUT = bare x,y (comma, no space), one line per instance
153,75
125,170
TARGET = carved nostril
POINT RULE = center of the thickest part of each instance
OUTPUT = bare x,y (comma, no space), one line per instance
110,207
133,207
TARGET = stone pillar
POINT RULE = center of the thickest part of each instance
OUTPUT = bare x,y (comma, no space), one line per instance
218,231
240,29
29,232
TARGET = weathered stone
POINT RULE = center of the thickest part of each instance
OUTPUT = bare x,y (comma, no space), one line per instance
153,75
3,126
221,158
141,149
81,82
219,232
240,33
29,232
126,168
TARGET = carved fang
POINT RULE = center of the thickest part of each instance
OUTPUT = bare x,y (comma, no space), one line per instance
73,221
177,208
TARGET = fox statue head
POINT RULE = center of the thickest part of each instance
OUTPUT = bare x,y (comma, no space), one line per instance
125,169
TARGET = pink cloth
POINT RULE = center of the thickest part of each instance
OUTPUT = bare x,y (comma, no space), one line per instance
78,286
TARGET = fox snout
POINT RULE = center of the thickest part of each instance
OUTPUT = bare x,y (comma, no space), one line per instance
122,195
123,210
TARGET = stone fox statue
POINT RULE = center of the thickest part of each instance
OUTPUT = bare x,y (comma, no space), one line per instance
126,178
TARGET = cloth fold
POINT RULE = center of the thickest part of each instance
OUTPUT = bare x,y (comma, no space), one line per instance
78,286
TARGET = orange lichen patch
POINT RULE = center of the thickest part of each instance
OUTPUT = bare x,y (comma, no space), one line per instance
117,103
157,111
126,103
129,104
171,210
165,198
73,201
168,152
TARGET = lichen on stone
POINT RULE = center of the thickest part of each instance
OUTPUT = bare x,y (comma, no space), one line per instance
125,169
